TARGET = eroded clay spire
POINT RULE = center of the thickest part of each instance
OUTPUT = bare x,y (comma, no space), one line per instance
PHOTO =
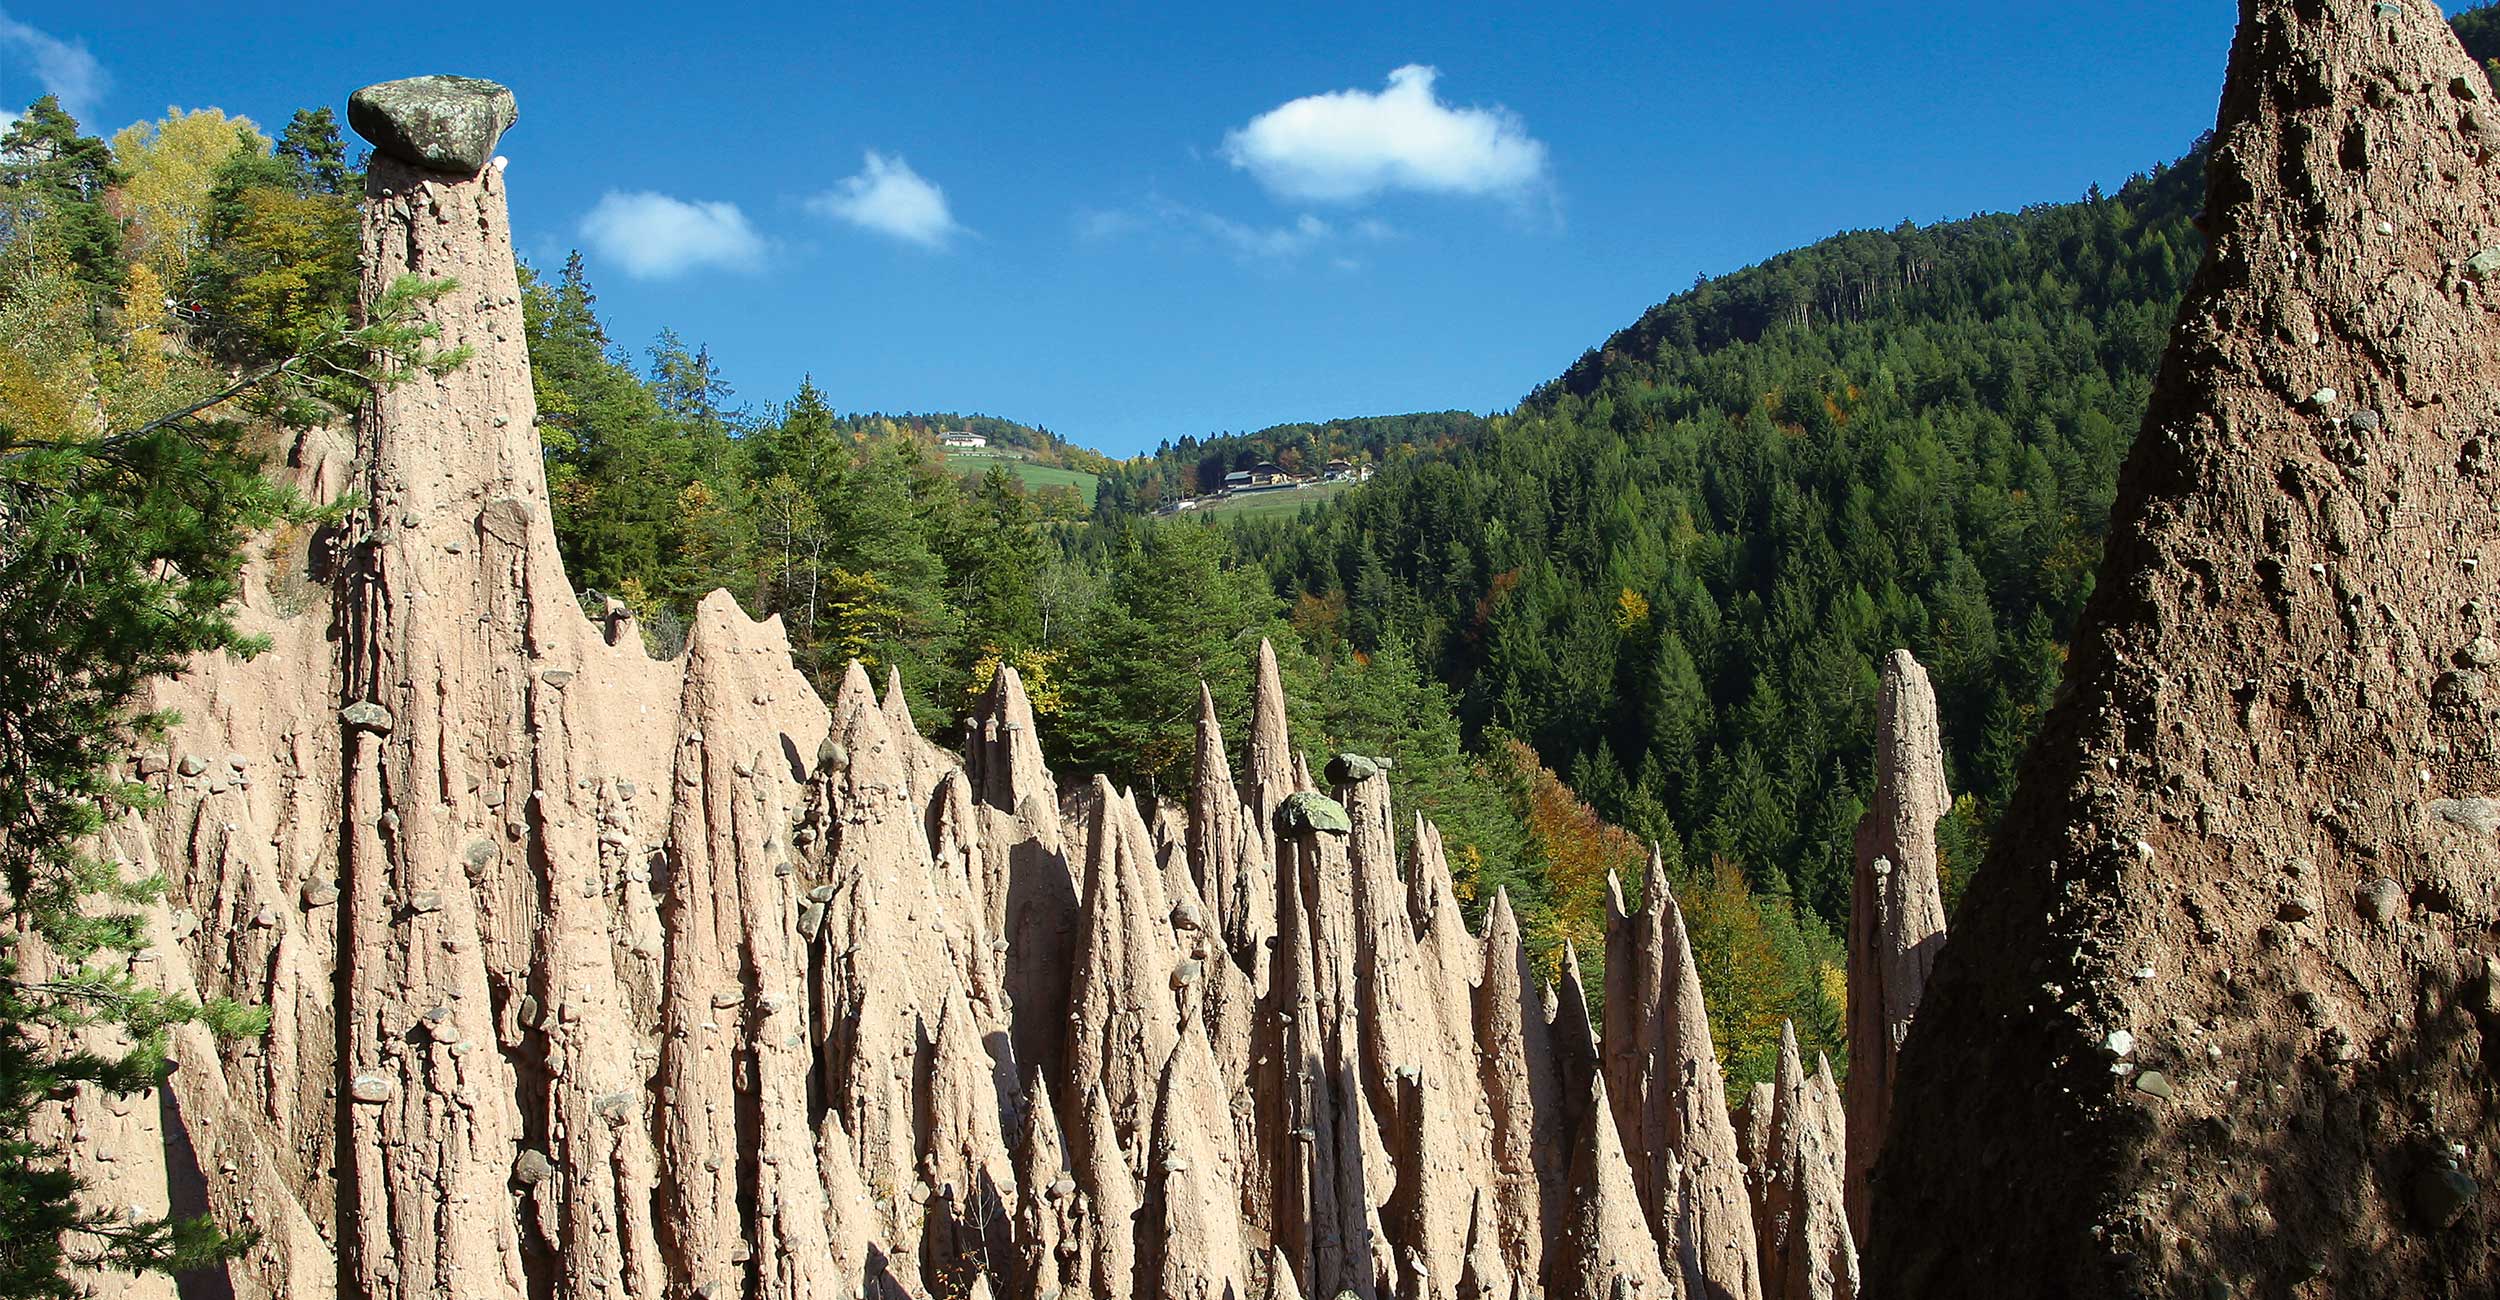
1896,907
1807,1252
2267,755
1524,1097
1271,765
1686,1112
1193,1181
1605,1247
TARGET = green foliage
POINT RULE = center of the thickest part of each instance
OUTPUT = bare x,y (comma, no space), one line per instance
1177,610
279,266
313,152
615,463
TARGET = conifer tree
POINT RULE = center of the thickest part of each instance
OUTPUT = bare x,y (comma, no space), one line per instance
65,175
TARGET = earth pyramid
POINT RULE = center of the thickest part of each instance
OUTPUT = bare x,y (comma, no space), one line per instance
2216,1014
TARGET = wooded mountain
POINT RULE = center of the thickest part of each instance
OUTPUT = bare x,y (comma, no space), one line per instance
1673,568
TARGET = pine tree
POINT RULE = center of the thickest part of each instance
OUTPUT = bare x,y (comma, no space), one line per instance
61,177
613,470
311,147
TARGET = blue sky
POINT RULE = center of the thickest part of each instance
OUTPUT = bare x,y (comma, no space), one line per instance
1128,223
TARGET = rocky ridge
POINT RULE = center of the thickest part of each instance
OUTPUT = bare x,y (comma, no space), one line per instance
595,976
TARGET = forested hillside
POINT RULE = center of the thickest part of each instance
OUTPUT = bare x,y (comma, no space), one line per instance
1673,568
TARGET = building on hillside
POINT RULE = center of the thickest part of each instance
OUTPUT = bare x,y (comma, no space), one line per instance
961,440
1346,471
1258,478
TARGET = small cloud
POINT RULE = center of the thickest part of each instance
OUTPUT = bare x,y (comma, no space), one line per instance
891,199
64,69
1350,145
1108,223
1305,234
1271,242
655,237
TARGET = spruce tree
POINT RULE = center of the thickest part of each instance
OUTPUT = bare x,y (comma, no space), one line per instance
44,158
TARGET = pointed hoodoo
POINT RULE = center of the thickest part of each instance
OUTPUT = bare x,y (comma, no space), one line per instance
1004,754
1827,1105
1046,1207
1620,1036
1605,1248
1023,851
1686,1165
2251,849
1773,1118
1239,886
1576,1053
972,1207
1807,1252
1107,1230
1452,955
1687,1114
1896,908
1193,1198
1530,1142
1271,774
926,762
1123,1010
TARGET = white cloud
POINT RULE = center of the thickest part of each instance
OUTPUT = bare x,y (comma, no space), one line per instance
888,197
1349,145
63,68
654,236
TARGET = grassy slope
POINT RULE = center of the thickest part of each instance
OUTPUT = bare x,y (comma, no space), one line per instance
1282,502
1034,475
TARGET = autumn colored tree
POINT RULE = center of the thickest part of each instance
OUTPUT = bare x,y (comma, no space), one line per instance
1577,849
1745,985
277,265
169,174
